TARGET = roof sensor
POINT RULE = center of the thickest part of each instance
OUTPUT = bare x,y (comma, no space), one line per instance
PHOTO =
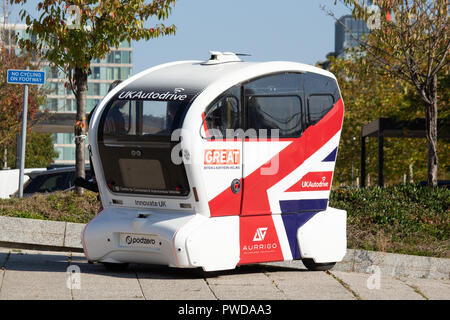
218,57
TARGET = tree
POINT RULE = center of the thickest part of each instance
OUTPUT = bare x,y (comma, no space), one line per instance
70,34
367,96
39,152
11,103
410,40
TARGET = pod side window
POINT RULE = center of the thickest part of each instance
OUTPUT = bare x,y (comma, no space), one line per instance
274,105
275,113
222,117
322,93
318,107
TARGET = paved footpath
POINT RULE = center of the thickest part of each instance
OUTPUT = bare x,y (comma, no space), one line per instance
30,274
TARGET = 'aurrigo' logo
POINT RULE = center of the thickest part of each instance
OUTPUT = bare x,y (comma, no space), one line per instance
259,240
262,246
260,234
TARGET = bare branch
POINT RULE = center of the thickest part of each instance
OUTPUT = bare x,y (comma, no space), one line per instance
443,62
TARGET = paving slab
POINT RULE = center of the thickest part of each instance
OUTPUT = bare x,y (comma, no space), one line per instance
307,285
95,282
244,283
368,287
432,289
164,283
394,265
35,275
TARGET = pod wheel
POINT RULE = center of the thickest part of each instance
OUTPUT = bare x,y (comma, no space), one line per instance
313,266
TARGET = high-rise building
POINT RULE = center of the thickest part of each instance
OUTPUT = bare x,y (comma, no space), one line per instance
348,32
115,66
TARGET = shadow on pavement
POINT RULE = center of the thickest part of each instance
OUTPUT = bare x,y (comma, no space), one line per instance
19,260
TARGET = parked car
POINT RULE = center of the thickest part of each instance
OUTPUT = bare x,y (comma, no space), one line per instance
59,179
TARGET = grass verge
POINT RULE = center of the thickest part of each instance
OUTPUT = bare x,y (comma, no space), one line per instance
58,206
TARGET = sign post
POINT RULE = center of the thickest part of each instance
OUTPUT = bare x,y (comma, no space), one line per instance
24,77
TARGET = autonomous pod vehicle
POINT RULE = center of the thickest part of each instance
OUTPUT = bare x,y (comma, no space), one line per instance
218,163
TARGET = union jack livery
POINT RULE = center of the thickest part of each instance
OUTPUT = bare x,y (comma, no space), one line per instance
218,163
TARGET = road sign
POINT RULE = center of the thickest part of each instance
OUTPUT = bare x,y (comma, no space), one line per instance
26,76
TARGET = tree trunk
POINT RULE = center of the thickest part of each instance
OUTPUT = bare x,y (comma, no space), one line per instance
80,125
431,133
411,173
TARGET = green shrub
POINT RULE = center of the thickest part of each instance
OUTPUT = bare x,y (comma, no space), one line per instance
406,218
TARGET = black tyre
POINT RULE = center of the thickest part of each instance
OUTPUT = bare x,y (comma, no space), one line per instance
115,266
313,266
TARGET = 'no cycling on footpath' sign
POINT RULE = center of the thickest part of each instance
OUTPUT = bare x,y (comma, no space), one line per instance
26,76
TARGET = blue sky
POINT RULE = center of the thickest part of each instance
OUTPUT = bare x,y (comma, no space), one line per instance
291,30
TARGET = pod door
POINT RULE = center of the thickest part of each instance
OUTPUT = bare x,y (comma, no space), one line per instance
222,153
272,146
136,148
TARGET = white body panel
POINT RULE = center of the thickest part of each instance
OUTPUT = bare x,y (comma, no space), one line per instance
324,237
181,240
192,241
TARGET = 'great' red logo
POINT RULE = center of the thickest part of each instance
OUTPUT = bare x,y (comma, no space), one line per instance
222,156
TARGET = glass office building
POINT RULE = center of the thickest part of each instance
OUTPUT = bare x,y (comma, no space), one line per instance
117,65
348,31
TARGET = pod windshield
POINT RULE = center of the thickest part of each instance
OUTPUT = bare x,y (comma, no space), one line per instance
135,146
142,118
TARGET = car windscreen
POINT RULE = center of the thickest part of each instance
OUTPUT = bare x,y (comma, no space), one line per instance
47,183
50,182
